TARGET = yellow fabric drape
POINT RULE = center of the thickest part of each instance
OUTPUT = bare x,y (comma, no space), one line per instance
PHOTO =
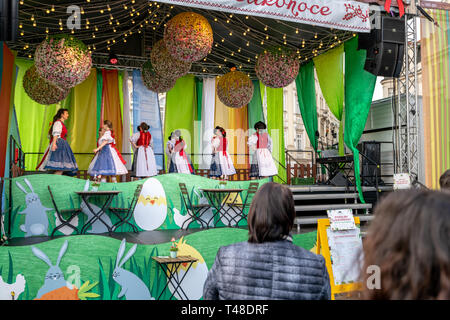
83,120
238,137
111,99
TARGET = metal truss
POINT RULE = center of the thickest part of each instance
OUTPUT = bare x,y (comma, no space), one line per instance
407,114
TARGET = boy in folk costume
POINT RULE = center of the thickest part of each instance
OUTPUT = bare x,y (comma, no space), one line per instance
108,160
170,145
180,157
260,144
221,163
145,160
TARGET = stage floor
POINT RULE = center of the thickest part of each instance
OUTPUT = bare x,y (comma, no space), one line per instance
143,237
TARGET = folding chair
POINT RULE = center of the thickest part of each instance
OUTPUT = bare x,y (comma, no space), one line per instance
252,188
195,211
73,213
128,211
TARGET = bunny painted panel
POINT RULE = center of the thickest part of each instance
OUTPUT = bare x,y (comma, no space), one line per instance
36,219
133,288
102,264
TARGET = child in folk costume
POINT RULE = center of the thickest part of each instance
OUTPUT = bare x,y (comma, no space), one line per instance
180,158
260,144
221,163
59,156
108,160
170,145
134,137
145,160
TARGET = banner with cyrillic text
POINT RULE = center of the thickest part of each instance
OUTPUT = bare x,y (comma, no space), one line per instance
337,14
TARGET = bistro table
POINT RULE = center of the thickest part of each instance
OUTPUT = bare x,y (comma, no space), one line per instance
219,198
170,267
108,195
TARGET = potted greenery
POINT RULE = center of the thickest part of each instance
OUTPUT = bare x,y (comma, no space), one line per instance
173,249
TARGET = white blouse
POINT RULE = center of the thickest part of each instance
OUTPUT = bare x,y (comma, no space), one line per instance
57,129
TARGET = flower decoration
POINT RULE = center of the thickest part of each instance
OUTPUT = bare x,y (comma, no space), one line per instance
165,65
40,90
155,82
277,67
235,89
188,36
173,246
62,60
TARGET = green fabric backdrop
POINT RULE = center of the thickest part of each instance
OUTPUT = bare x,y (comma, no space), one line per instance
198,121
255,108
359,87
330,73
180,102
33,118
306,94
275,127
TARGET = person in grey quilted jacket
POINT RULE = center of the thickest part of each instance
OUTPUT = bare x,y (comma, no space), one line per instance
268,266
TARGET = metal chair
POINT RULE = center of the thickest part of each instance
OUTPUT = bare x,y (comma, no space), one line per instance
195,211
128,211
252,188
73,213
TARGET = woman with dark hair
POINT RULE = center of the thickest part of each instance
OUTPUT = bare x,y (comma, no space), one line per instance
59,156
260,143
268,265
409,241
221,163
145,160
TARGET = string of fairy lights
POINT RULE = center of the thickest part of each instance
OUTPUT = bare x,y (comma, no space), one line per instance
104,24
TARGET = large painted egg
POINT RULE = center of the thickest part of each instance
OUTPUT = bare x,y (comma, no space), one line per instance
192,284
151,209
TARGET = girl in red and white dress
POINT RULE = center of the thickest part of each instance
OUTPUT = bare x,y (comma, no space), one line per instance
180,158
221,163
145,161
108,160
260,144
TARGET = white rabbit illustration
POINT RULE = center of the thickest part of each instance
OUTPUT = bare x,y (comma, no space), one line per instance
36,220
132,286
97,226
14,290
54,278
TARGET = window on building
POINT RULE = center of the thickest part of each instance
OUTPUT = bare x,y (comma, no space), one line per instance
299,142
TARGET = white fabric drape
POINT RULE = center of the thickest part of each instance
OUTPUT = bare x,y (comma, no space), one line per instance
208,107
126,145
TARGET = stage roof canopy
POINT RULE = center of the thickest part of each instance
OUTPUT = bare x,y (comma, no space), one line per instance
130,28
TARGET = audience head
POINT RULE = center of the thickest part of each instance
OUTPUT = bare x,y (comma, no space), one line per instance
444,181
409,241
272,213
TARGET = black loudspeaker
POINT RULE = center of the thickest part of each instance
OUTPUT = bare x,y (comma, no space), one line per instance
339,180
9,20
372,156
385,47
